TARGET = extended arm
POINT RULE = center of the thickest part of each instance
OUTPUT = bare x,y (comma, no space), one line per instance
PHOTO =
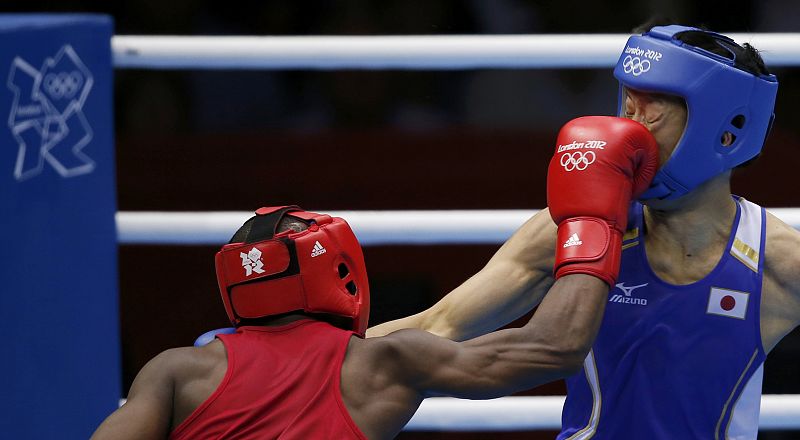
551,345
512,283
385,379
590,200
590,207
147,413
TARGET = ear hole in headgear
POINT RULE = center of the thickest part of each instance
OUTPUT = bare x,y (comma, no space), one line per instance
727,139
351,285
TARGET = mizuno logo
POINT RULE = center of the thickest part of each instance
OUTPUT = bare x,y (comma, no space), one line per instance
318,250
627,290
573,240
627,298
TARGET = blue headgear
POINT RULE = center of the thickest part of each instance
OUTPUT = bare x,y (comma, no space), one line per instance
719,97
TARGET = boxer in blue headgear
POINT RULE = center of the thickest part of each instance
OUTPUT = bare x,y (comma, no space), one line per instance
720,95
708,281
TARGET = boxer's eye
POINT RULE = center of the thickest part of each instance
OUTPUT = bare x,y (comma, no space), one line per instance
653,113
653,118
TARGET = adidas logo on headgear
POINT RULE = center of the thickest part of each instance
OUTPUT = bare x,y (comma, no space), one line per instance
573,240
318,250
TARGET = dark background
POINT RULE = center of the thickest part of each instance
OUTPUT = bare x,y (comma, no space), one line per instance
342,140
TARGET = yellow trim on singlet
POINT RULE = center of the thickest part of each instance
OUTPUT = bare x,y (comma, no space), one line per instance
629,245
748,253
630,234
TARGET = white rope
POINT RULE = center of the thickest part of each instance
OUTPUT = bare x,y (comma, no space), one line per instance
522,413
519,413
402,52
371,227
532,413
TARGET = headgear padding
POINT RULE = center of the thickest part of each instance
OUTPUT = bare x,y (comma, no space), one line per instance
720,97
318,270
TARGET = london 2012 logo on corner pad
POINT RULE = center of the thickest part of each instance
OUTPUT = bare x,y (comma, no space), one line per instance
46,116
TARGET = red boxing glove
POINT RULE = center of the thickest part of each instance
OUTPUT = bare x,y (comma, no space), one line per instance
600,164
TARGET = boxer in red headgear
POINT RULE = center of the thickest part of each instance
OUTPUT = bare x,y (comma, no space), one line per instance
316,270
295,285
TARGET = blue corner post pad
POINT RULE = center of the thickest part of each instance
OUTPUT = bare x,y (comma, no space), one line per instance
58,242
209,336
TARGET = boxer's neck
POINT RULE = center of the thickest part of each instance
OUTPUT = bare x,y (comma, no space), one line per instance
685,241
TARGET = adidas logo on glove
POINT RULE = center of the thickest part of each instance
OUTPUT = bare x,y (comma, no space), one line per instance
318,250
573,240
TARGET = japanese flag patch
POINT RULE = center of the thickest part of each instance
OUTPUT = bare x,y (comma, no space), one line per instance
730,303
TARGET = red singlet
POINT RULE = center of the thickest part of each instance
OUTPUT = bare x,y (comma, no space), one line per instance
281,383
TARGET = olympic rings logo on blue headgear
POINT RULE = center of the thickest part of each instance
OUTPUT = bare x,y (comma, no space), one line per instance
635,65
63,84
579,160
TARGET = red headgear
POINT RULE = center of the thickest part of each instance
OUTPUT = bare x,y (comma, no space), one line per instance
318,270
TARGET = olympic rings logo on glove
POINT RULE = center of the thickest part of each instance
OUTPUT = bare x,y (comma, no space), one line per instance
578,160
635,65
63,84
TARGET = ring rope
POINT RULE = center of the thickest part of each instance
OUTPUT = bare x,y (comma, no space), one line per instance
536,413
428,52
519,413
371,227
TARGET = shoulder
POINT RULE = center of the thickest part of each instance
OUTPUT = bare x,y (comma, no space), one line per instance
402,356
781,253
184,361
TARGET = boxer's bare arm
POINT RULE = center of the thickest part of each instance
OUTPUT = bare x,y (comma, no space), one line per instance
385,379
511,284
147,413
166,391
780,299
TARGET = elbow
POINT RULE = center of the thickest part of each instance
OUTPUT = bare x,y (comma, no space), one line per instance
564,364
571,364
552,364
569,358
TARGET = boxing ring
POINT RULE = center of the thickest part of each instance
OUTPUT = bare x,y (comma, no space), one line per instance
413,227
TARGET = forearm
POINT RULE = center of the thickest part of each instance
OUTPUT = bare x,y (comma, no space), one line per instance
570,316
511,284
492,298
552,344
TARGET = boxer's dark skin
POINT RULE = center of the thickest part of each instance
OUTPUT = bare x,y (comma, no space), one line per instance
384,379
